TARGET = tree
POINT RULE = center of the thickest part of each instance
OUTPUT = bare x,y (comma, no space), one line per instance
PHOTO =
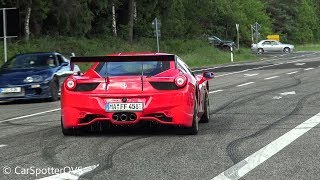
114,21
201,17
130,20
248,13
69,18
307,22
27,21
172,18
295,20
283,15
101,16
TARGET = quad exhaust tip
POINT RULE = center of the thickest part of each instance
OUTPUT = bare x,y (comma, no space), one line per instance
115,117
124,116
132,117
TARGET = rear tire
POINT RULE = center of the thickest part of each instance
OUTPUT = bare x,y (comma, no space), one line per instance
67,131
206,115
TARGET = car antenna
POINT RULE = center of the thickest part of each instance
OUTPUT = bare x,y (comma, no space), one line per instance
142,75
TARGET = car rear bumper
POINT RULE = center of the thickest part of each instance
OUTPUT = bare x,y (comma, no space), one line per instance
174,108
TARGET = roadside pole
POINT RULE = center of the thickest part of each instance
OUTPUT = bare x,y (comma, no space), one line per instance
252,34
4,34
238,36
156,24
231,53
257,43
157,33
256,27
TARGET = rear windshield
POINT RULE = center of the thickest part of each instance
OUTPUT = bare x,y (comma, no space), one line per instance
136,68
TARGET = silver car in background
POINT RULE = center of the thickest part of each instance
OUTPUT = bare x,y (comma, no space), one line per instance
271,46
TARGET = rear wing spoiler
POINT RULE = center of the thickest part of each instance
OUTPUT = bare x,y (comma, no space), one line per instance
122,58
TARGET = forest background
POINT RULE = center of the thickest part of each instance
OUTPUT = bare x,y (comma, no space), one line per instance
96,27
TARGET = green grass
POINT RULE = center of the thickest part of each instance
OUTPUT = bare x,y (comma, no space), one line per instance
210,56
196,53
308,47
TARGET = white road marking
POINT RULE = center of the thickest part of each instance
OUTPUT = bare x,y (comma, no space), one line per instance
274,58
273,77
277,97
72,175
287,93
237,72
245,84
294,72
299,64
30,115
250,75
214,67
2,145
215,91
243,167
261,67
308,69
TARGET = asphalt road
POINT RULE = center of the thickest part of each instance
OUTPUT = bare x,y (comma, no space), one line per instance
263,125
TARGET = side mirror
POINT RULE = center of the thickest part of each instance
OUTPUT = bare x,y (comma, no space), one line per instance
64,64
208,75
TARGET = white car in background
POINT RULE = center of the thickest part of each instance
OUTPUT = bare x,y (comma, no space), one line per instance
271,46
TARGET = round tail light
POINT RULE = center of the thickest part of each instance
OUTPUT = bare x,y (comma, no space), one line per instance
70,84
180,81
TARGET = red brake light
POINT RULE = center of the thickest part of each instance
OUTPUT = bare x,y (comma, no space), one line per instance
70,84
180,81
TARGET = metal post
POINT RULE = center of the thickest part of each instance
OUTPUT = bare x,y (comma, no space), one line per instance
231,50
4,34
157,33
238,36
252,34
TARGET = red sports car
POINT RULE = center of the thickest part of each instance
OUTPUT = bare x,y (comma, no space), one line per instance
129,88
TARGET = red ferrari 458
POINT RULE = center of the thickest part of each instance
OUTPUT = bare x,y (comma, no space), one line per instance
129,88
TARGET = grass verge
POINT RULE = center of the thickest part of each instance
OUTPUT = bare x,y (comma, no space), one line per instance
308,47
196,53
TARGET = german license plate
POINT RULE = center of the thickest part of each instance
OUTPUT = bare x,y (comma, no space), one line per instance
124,106
10,90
